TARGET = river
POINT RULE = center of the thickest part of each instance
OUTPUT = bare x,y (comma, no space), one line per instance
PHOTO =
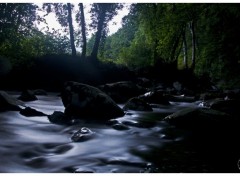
33,144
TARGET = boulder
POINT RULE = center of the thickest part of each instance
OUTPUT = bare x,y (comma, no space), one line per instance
210,95
8,103
177,86
30,112
85,101
199,119
181,98
60,118
155,97
137,104
144,82
121,92
39,92
27,95
233,94
120,126
229,106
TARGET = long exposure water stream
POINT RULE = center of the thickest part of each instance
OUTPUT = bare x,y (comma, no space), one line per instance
33,144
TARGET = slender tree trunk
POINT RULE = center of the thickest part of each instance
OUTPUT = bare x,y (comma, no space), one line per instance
192,24
185,49
98,36
155,55
83,26
174,48
69,8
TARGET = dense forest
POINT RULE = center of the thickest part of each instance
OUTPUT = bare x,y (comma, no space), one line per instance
200,39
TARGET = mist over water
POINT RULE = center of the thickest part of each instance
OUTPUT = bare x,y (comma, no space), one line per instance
33,144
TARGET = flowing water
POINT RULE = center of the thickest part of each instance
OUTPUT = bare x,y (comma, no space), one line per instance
33,144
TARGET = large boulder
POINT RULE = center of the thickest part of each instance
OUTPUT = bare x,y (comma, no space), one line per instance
137,104
81,100
155,97
8,103
60,118
122,91
27,95
199,119
231,106
39,92
30,112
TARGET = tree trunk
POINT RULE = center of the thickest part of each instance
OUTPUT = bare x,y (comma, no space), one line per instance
174,48
155,55
69,8
98,36
185,49
191,25
83,26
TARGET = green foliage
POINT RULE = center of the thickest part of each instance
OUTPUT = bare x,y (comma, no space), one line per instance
219,42
63,14
21,41
151,32
21,49
102,13
158,35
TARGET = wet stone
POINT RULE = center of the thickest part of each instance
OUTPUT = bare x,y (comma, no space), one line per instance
60,118
27,95
112,122
82,135
120,126
82,170
150,168
131,123
8,103
30,112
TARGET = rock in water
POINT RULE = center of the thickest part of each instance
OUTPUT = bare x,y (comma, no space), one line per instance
27,95
60,118
8,103
122,91
155,97
82,135
199,119
30,112
137,105
84,101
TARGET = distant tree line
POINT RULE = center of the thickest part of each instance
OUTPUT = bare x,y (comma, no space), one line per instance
202,38
21,40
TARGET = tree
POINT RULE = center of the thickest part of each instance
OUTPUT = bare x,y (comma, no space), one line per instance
102,13
185,50
64,16
80,18
16,18
69,8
